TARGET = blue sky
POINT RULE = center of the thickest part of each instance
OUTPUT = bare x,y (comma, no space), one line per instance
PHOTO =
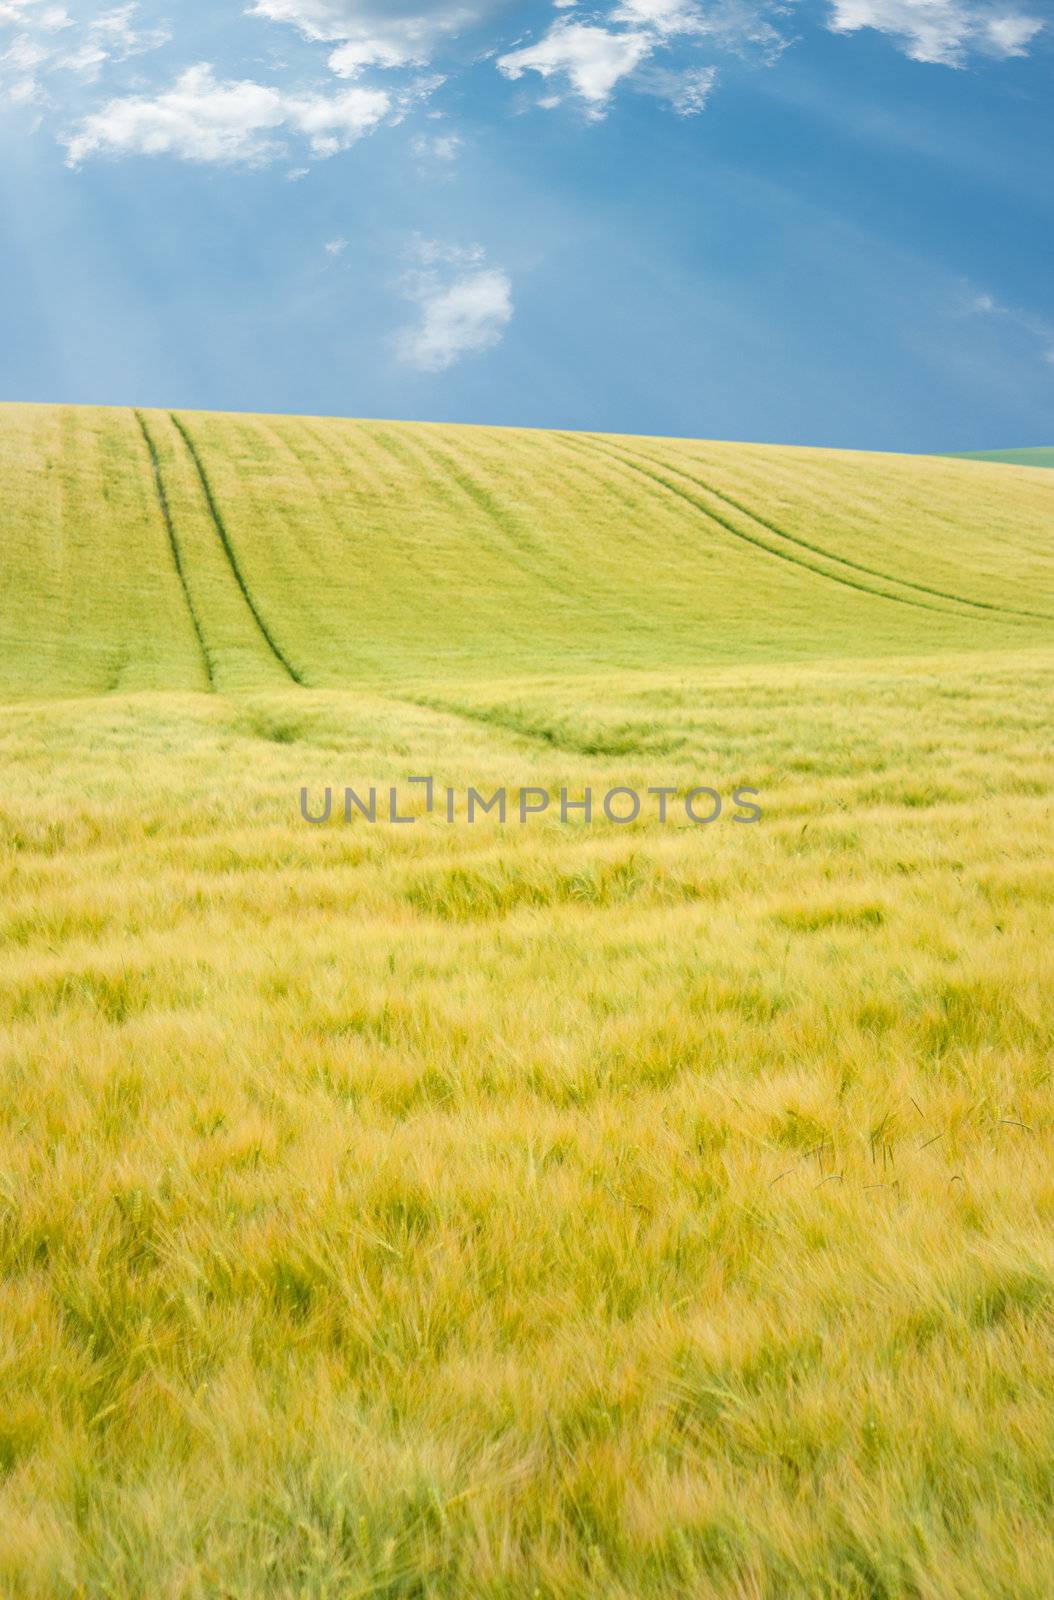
812,221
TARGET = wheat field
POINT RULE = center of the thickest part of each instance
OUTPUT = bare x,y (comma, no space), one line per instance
556,1209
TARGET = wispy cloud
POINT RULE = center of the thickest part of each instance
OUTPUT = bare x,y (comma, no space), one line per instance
442,147
463,306
49,42
1038,331
947,33
687,92
33,13
376,33
378,58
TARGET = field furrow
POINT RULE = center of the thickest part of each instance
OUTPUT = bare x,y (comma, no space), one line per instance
228,551
846,561
173,539
786,549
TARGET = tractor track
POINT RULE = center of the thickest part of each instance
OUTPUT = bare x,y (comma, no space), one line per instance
847,561
177,556
990,612
228,550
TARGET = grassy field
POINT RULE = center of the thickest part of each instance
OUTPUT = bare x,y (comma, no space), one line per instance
1041,457
542,1211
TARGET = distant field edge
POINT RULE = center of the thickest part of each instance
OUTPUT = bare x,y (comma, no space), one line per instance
1039,456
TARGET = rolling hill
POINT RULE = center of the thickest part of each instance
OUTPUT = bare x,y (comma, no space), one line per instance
149,550
450,1207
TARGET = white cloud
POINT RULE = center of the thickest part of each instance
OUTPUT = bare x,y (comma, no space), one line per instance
50,42
24,54
944,32
442,147
594,60
463,306
664,16
688,92
20,66
433,253
1012,34
203,118
652,43
747,27
20,13
378,33
336,247
349,60
332,123
586,52
49,20
118,26
594,51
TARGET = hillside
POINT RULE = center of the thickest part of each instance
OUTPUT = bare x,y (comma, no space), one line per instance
192,552
620,1210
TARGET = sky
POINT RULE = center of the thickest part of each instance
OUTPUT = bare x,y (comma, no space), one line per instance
821,222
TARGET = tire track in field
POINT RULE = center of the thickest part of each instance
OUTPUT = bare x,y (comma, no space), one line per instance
627,460
845,561
228,550
177,555
621,741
